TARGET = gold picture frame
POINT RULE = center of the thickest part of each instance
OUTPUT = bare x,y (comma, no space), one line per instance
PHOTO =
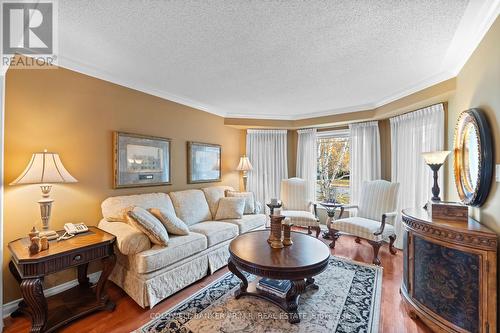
203,162
141,160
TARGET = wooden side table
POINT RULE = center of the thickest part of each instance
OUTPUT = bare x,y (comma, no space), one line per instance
49,314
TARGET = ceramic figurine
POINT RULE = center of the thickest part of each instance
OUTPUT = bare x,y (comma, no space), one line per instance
35,245
44,241
33,233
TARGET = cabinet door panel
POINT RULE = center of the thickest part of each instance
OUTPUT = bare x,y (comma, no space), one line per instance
447,281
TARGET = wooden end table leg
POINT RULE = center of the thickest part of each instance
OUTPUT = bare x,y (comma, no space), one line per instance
244,282
22,304
83,279
108,264
32,291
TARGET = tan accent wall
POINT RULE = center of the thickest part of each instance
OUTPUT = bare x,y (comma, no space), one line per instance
291,145
478,86
384,127
75,115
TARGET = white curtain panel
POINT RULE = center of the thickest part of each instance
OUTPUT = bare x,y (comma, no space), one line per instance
364,140
267,151
307,160
411,135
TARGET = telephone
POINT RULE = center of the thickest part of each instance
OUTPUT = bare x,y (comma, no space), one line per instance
75,228
72,229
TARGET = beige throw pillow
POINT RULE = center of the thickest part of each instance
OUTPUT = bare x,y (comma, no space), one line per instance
230,208
145,221
174,225
249,200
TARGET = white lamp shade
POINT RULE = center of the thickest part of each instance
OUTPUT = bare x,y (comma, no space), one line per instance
245,164
44,168
435,157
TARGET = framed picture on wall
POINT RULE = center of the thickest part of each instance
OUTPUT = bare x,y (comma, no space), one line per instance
204,162
140,160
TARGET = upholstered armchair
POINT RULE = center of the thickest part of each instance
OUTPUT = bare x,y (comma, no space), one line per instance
376,214
297,207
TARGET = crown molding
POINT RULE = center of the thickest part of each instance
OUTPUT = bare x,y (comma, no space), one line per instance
93,71
477,20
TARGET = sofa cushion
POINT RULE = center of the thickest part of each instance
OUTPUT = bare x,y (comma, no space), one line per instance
146,222
174,225
364,228
116,208
216,232
248,222
191,206
179,247
213,195
249,200
301,218
230,208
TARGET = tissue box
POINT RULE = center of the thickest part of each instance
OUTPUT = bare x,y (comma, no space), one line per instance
450,211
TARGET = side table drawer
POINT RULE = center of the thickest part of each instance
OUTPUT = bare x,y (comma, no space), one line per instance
52,265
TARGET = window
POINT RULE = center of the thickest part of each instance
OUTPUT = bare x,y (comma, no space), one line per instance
333,174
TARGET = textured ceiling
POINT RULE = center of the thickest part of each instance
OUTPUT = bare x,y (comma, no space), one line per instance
268,59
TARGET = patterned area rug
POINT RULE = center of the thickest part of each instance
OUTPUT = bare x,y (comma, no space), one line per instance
348,300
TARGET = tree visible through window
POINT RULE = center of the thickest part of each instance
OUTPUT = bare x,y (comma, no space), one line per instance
333,168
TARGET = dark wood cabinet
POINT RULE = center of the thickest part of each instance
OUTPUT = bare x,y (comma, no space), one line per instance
450,273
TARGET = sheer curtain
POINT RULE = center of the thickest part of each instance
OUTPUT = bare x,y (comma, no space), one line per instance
307,160
412,134
364,140
267,151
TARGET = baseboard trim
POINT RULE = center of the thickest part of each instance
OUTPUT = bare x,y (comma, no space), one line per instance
10,307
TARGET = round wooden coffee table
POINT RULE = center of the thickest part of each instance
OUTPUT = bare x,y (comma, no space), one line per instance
298,263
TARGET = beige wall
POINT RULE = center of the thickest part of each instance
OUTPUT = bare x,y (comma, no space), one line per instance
478,86
75,115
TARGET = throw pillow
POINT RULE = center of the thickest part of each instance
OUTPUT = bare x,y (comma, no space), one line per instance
230,208
145,221
174,225
249,200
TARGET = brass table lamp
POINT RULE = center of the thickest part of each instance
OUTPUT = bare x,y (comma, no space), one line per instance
244,166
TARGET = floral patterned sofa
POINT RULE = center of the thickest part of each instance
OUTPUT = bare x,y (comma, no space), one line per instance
150,273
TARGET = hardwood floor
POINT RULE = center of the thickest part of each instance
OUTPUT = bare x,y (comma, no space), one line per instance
128,316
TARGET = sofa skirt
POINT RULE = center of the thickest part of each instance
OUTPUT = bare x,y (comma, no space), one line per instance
149,289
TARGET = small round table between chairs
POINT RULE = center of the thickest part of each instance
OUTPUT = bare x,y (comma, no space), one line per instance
298,263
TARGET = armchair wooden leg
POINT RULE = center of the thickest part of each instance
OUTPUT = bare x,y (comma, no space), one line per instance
392,239
309,230
357,240
318,230
376,248
334,235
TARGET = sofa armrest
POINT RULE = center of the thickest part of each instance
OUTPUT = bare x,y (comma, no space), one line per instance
128,239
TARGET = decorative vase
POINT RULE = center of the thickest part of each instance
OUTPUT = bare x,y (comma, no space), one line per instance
287,234
275,236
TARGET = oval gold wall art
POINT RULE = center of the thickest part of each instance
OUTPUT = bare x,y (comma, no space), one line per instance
473,163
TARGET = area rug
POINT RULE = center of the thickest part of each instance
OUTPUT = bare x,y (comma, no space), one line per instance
348,300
